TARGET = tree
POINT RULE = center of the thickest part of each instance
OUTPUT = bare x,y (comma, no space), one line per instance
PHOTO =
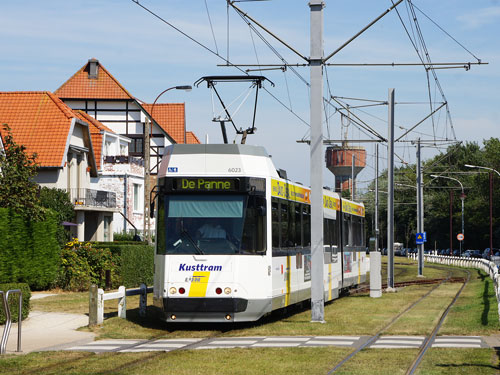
58,200
18,190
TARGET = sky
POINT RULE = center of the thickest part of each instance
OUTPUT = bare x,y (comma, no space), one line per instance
43,43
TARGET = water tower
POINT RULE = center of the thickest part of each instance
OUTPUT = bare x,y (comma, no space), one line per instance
339,160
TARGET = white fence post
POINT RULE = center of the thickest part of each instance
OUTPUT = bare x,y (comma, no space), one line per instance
100,306
122,303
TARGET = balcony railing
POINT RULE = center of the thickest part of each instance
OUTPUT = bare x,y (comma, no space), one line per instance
92,198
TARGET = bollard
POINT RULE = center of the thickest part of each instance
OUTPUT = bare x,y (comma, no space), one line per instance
375,275
143,301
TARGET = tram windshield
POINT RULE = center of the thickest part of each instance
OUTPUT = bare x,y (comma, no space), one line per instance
211,224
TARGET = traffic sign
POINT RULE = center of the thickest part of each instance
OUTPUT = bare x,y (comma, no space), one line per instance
460,237
425,236
419,238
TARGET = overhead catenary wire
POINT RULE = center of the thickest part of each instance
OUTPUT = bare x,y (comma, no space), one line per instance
211,27
226,60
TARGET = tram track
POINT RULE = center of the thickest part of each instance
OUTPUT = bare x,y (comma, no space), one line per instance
430,338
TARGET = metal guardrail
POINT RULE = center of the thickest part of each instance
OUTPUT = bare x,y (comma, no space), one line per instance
8,320
97,298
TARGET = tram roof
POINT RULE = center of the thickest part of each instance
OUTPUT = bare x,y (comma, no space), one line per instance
225,149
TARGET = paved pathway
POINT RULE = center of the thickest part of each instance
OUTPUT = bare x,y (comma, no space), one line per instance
384,342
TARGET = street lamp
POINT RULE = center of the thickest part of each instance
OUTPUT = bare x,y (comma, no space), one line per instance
491,199
462,197
148,131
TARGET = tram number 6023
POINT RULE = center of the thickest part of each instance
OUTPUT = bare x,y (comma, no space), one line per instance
234,170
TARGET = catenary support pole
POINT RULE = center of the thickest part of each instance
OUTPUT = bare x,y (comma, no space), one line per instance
419,209
390,195
353,194
316,118
491,213
376,199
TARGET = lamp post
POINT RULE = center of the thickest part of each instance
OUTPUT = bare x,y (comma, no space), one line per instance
148,130
491,199
462,197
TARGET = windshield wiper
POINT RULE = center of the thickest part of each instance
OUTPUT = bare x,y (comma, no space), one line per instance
188,236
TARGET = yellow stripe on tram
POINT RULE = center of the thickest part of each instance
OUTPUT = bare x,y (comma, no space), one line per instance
199,284
359,268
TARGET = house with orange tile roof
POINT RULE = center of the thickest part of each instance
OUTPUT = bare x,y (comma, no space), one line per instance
64,146
119,173
95,91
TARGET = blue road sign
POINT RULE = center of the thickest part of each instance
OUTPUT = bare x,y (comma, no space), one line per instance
419,238
425,236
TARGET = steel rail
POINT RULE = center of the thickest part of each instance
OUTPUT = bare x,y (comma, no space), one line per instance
430,339
377,335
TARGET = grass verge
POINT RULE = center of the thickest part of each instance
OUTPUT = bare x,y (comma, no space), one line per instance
182,362
476,311
441,361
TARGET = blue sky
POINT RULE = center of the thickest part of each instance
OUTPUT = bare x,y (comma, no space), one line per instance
44,43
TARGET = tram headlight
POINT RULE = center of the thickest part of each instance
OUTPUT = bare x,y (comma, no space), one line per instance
227,290
172,290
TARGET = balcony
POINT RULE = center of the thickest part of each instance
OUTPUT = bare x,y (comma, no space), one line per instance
92,198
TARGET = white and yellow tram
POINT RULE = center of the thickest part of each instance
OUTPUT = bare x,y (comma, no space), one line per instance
233,237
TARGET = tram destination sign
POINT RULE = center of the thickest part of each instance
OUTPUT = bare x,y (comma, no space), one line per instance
197,184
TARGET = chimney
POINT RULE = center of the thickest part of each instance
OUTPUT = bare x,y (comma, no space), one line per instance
93,66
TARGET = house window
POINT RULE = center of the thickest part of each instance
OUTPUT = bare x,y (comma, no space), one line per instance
107,148
107,228
137,197
123,149
136,146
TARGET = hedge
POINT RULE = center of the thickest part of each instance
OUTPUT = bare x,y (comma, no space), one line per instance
14,301
29,251
137,265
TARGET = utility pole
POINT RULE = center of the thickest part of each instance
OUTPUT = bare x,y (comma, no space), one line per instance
390,194
147,174
316,118
419,209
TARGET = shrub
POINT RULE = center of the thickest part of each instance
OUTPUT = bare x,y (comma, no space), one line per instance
28,249
83,265
14,301
137,265
123,236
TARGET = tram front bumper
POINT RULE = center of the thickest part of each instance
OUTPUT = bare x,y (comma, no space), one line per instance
213,309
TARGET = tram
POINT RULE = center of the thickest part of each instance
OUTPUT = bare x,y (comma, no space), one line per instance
233,236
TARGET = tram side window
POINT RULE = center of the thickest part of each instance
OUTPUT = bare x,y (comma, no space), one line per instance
292,240
285,235
347,230
306,224
253,238
275,223
357,228
298,225
327,241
